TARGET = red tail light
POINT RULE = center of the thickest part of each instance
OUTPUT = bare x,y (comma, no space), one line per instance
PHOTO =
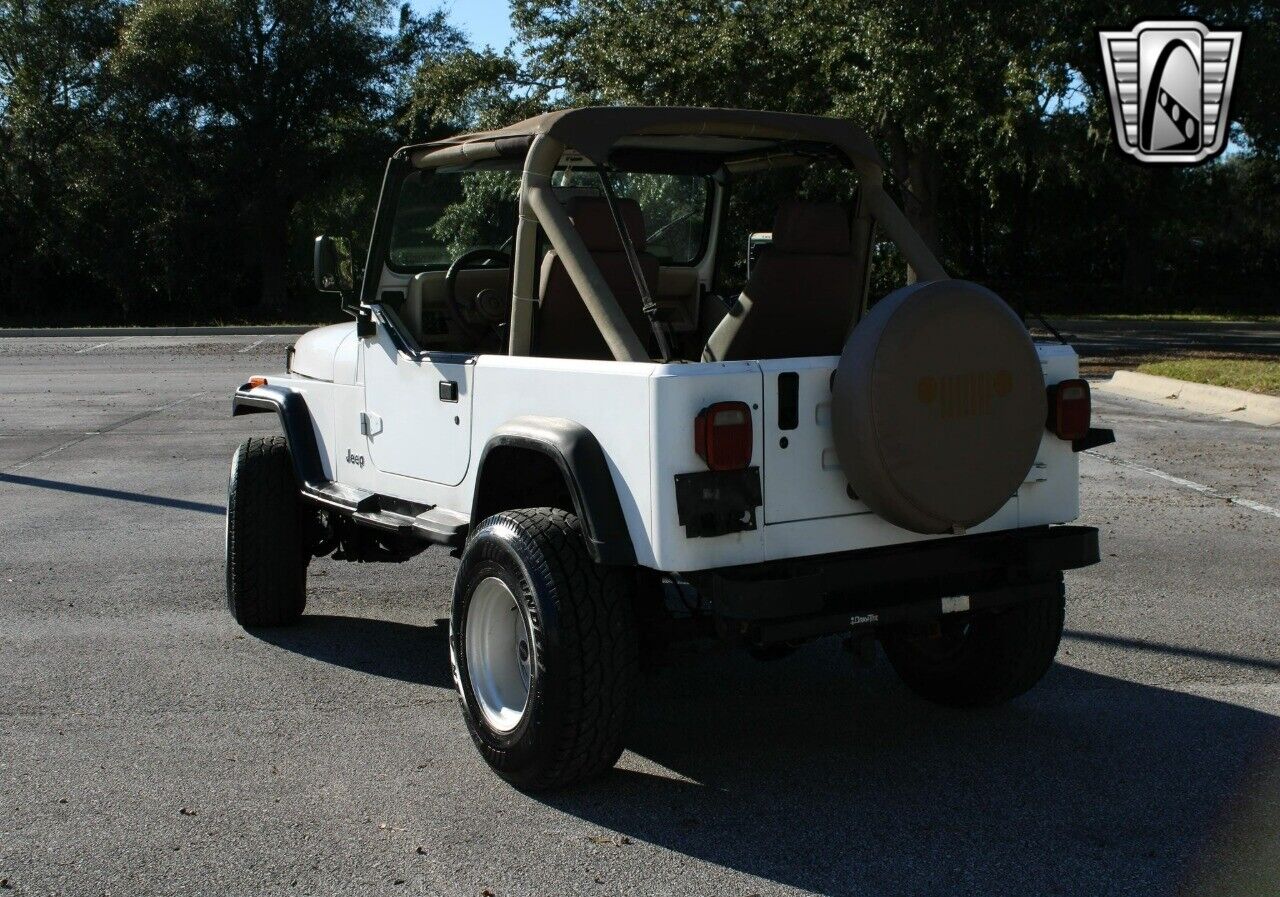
1069,408
722,435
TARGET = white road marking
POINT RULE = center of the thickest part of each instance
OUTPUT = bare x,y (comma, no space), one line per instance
1190,484
111,342
107,429
254,346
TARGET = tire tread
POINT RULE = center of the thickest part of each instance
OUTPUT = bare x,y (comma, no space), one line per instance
598,651
1006,655
266,557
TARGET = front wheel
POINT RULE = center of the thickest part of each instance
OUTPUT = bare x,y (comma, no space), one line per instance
267,552
543,646
980,661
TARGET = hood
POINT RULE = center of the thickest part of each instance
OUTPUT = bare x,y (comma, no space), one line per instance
314,352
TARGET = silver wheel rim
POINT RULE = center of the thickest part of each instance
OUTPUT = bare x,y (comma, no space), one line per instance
499,654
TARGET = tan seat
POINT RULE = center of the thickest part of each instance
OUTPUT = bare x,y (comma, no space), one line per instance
801,296
565,328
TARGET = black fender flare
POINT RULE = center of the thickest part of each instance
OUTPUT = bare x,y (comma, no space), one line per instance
580,459
295,422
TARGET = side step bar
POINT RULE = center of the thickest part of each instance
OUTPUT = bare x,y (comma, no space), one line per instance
426,522
435,525
336,496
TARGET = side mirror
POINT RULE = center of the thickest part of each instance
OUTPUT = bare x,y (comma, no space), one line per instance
332,275
329,277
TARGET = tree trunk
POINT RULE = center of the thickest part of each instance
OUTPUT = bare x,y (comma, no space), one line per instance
1020,236
271,214
922,204
1138,276
920,170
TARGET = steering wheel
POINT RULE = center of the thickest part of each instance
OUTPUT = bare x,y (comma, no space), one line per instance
483,307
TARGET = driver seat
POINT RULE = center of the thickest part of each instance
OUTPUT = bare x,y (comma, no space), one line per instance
565,328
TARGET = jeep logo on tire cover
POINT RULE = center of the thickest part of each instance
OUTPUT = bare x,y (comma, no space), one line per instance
964,395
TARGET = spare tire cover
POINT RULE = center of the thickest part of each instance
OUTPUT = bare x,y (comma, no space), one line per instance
938,406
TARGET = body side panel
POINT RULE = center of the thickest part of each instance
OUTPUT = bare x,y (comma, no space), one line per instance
1051,493
609,399
679,393
641,415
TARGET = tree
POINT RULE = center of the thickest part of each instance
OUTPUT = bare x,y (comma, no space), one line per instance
942,87
281,96
51,56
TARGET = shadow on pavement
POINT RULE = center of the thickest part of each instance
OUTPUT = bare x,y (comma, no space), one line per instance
415,654
821,776
818,776
119,494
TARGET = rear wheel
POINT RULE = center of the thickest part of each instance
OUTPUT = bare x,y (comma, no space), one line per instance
267,551
980,661
543,646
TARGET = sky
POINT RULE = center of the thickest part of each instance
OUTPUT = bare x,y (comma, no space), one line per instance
484,21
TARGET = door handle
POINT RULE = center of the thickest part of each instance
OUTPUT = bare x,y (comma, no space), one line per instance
448,390
788,400
370,424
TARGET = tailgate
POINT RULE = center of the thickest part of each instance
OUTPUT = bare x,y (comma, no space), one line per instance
802,476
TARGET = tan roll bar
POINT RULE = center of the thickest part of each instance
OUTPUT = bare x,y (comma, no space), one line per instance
593,132
539,205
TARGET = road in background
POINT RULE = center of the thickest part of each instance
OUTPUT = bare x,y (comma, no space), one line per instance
150,746
1105,344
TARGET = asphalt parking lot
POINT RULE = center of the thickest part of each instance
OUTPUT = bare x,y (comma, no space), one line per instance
150,746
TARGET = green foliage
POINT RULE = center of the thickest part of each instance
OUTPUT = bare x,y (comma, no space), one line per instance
991,116
1253,375
468,223
171,160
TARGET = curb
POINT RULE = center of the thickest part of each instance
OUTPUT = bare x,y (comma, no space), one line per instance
1234,404
264,330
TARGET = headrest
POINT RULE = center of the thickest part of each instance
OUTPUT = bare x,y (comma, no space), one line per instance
811,228
594,223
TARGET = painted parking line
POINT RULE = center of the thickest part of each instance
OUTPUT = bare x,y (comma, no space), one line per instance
1191,484
110,342
252,346
107,429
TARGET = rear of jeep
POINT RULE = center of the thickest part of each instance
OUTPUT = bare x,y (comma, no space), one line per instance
748,443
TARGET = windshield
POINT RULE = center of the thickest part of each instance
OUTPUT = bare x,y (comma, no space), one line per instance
441,215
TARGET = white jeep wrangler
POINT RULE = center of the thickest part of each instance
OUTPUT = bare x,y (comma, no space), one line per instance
544,375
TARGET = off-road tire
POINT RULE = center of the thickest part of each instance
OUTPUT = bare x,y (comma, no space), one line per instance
987,660
267,554
580,617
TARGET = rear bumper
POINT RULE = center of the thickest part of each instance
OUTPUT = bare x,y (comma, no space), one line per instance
903,581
